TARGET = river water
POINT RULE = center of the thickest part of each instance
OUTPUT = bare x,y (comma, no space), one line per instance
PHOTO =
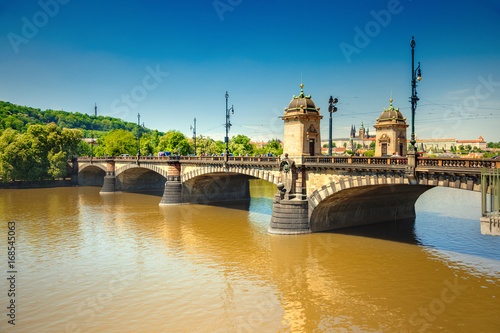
90,262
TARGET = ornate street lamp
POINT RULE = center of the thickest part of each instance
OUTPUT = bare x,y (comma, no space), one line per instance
92,134
139,135
416,75
229,111
92,146
331,108
194,134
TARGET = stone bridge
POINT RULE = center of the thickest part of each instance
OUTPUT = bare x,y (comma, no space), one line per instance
314,193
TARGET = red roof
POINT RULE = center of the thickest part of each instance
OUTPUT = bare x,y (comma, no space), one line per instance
480,140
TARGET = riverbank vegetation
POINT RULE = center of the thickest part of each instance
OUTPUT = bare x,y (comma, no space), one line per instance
37,145
42,152
19,118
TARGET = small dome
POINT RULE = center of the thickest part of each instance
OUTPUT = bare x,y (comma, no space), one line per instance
302,103
391,114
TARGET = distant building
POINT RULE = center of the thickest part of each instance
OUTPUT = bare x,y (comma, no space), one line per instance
92,141
446,144
479,143
259,144
363,139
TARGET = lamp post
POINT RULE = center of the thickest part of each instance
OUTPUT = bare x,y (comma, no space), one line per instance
229,111
92,134
331,108
193,128
416,75
92,146
139,135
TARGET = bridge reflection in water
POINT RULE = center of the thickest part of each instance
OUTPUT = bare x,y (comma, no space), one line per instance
314,193
213,269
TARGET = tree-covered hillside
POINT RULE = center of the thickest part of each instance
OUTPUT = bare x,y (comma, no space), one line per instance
20,117
36,145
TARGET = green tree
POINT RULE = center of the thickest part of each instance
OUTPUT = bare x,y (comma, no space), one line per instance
174,142
21,117
58,165
40,153
493,145
240,145
115,143
274,147
326,145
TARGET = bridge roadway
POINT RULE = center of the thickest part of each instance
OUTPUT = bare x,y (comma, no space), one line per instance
314,193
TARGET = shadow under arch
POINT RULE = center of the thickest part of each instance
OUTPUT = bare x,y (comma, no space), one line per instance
140,180
91,175
223,189
366,205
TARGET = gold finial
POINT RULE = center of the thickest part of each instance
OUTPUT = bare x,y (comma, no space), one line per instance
301,91
390,101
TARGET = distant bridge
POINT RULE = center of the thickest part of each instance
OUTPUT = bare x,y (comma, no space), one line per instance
314,193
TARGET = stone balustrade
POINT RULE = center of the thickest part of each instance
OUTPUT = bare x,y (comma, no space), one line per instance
321,160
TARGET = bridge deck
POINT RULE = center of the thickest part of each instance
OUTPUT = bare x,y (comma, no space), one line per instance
428,165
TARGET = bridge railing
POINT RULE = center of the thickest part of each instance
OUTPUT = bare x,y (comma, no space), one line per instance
459,163
472,163
185,158
356,160
254,158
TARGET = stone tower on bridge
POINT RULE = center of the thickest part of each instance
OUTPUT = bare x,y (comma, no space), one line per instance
391,133
302,130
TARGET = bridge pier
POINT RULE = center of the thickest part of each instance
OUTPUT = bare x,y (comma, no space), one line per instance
110,178
109,183
172,195
290,216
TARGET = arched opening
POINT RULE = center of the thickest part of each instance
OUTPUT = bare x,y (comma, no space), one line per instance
216,187
366,205
139,180
91,176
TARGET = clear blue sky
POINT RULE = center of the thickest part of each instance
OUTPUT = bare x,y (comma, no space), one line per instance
76,53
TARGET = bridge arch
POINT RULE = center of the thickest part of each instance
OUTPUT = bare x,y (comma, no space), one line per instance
91,174
268,175
346,182
365,199
149,166
82,166
214,183
138,178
